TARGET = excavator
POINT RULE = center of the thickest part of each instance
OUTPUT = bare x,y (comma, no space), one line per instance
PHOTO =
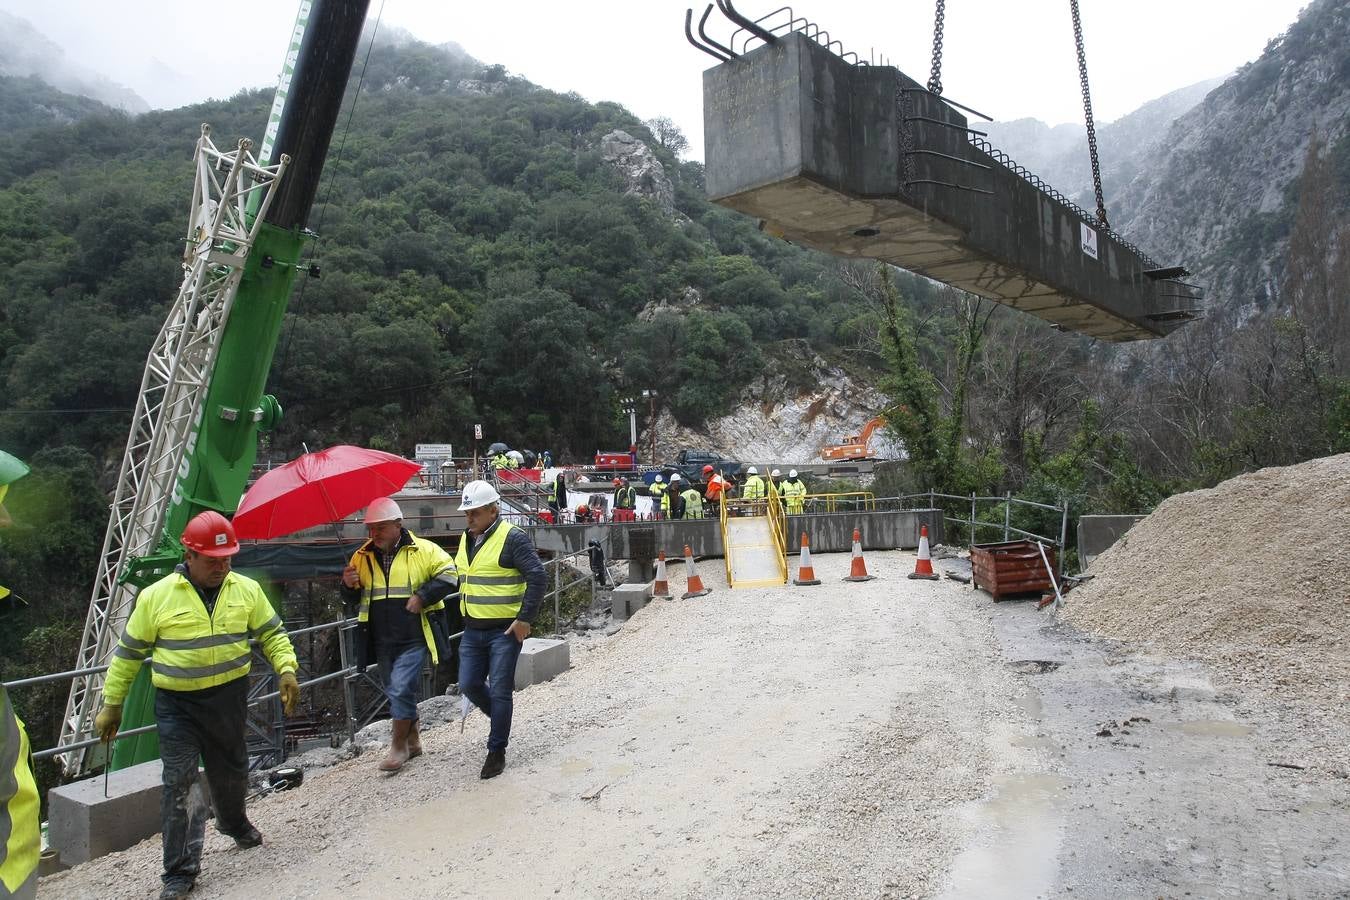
854,446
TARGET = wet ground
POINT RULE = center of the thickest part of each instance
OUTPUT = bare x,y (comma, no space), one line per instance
1141,779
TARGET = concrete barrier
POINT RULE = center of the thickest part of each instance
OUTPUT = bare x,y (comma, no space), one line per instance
541,659
1097,533
84,825
830,533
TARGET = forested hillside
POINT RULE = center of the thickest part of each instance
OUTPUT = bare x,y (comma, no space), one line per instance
481,262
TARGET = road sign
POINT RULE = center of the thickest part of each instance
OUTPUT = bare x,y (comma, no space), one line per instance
434,451
478,432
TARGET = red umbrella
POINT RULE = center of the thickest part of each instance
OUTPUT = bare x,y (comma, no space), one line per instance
319,488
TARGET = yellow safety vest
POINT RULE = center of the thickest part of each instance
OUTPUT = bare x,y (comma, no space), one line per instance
189,649
487,589
693,504
754,488
795,492
19,805
414,565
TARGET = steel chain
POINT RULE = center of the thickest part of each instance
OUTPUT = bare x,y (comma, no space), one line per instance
935,79
1087,112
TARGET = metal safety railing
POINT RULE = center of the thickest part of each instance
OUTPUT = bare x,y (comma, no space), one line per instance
1008,503
145,729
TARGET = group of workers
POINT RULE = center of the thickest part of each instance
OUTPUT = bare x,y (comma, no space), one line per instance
681,499
500,457
195,624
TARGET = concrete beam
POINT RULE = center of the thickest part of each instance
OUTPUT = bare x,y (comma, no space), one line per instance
862,161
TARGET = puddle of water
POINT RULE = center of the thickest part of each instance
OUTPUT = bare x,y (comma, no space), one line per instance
1013,852
1030,704
1033,743
1214,728
574,766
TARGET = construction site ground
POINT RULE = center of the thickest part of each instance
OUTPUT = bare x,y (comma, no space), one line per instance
892,738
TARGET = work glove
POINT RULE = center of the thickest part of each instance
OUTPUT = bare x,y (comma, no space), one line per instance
290,692
108,720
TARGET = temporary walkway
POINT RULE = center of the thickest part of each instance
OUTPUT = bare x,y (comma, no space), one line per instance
754,538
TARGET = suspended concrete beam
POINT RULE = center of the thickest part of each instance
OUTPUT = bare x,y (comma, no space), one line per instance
863,161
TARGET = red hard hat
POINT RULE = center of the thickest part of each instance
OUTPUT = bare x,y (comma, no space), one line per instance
210,534
707,469
583,509
618,481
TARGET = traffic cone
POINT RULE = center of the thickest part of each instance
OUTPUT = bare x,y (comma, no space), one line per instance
660,587
923,569
858,571
692,580
806,573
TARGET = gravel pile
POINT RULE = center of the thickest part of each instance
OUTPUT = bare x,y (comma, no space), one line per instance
1252,576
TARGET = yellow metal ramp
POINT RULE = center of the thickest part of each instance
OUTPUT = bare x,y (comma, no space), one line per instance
753,541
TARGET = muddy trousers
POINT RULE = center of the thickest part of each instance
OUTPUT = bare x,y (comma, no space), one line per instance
208,724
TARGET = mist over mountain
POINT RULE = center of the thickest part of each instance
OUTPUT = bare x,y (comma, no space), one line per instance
26,52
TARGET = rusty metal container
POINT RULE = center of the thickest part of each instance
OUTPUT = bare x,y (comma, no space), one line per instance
1010,567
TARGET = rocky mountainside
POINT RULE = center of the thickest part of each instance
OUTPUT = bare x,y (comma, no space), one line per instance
1219,193
799,404
1059,155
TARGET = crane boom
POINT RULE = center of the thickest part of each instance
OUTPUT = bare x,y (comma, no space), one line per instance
194,432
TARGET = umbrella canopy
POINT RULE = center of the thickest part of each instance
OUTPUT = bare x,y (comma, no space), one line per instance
319,488
11,469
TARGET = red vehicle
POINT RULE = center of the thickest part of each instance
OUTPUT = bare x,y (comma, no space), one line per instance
616,461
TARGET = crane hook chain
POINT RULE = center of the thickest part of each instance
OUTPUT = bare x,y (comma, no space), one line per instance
935,79
1087,111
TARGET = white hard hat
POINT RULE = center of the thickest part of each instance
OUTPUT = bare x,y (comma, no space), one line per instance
478,493
792,473
674,478
752,471
383,510
657,480
775,473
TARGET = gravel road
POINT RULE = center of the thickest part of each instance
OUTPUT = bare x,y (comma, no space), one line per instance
892,738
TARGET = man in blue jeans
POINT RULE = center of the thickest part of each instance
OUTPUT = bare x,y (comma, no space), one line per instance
501,582
400,581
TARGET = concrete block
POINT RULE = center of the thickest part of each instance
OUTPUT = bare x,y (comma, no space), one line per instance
541,659
628,598
84,825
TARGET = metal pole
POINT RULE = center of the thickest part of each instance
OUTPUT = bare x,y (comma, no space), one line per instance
1007,513
348,701
557,589
972,518
1063,532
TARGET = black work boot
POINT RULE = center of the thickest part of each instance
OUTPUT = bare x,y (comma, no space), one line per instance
246,839
494,764
176,889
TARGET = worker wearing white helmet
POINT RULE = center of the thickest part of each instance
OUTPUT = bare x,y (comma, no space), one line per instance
658,490
754,488
400,581
501,582
794,494
671,507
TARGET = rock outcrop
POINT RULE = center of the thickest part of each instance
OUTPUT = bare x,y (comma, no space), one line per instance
641,170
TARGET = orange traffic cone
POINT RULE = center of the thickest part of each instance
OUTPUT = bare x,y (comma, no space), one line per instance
858,572
692,580
924,567
660,587
806,573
